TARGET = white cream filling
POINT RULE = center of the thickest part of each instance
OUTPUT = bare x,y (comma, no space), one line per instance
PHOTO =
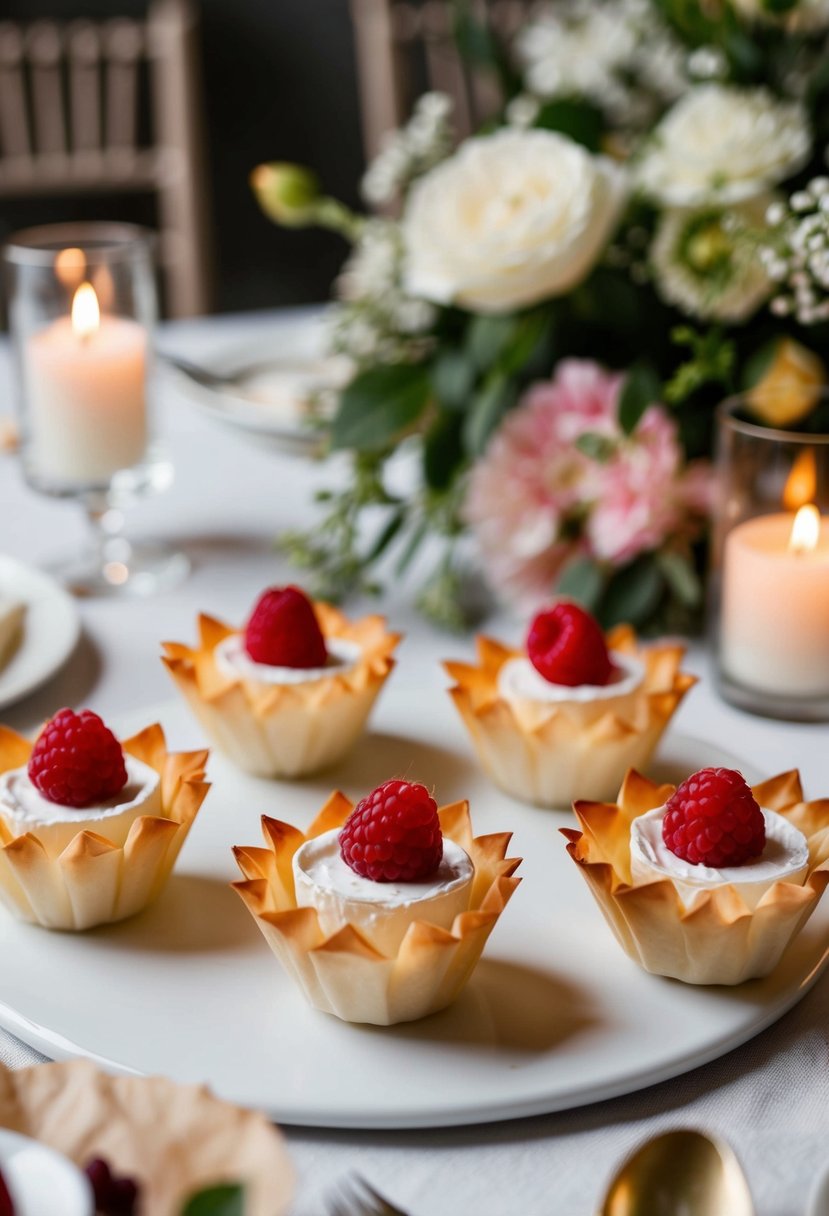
519,681
234,662
25,809
380,911
785,858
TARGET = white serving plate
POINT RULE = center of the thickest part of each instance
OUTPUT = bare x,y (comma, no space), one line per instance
50,629
554,1017
264,374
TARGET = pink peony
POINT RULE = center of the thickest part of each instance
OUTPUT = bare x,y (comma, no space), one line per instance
534,500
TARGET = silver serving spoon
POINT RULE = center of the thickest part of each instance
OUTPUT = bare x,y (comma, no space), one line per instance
680,1173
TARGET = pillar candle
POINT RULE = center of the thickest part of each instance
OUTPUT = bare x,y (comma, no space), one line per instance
775,609
85,378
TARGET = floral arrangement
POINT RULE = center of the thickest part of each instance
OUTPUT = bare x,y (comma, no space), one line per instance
548,322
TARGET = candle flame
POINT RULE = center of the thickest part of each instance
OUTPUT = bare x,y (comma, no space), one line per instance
805,530
86,315
801,484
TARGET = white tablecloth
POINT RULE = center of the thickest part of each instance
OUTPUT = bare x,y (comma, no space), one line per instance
768,1098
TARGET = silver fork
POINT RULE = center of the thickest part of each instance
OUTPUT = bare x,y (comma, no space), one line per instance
356,1197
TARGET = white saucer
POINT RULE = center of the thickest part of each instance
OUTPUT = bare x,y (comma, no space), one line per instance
269,378
555,1015
50,629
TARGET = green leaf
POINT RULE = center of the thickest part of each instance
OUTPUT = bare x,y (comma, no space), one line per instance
575,117
442,450
582,580
412,545
681,577
532,332
488,337
378,404
387,535
632,595
598,447
759,364
641,389
491,403
227,1200
453,376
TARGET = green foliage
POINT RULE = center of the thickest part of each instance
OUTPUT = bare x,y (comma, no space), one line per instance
575,117
379,404
488,407
641,389
453,378
227,1200
712,359
598,447
681,576
442,450
479,46
582,580
632,596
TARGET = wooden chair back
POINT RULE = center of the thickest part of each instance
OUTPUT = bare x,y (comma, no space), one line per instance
74,100
404,48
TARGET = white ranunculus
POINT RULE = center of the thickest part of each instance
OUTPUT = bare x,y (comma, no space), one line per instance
723,144
510,219
706,263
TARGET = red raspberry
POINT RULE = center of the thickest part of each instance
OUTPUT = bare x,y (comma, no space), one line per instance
393,835
713,819
566,646
283,630
6,1205
77,761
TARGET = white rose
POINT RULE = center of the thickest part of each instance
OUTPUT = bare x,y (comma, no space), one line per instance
510,219
724,144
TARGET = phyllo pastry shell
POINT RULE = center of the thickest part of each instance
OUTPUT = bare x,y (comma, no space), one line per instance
719,940
94,880
548,753
343,973
291,729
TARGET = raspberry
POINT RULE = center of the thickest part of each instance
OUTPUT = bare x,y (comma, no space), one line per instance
566,646
283,630
77,761
6,1205
713,820
113,1196
393,835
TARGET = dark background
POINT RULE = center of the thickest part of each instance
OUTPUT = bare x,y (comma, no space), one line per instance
279,83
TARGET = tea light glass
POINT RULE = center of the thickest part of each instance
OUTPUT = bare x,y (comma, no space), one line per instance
82,306
770,585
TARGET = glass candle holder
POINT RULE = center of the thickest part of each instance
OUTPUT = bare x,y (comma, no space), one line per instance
82,306
770,580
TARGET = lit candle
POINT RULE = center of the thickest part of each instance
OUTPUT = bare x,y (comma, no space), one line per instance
86,382
775,604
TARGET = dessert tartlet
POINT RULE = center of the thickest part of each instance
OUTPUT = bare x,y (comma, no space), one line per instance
381,912
90,829
290,693
569,715
710,882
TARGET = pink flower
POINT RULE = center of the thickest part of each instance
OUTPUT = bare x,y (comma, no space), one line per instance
534,499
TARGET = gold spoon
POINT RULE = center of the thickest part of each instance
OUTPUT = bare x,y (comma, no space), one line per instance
680,1173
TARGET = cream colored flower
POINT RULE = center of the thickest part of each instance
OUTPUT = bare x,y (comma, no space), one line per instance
510,219
705,262
723,144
